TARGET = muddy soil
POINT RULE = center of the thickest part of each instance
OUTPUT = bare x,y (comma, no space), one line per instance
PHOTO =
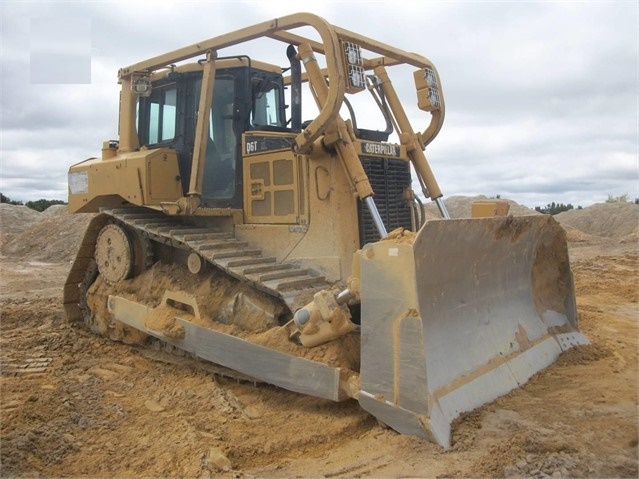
76,405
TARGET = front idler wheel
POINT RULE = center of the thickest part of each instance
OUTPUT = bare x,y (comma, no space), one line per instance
114,254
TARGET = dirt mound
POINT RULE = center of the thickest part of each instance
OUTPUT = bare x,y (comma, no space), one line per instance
576,236
51,236
54,210
460,207
16,218
611,220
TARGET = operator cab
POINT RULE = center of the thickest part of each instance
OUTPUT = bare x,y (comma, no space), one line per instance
247,95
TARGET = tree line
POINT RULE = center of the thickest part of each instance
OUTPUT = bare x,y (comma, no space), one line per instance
555,208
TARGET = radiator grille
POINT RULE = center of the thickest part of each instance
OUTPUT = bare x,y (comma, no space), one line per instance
389,178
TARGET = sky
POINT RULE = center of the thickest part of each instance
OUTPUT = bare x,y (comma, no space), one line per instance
542,98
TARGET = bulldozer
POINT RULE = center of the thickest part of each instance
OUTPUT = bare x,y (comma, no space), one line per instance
296,252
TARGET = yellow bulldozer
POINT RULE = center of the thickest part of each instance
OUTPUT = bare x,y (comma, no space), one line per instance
295,251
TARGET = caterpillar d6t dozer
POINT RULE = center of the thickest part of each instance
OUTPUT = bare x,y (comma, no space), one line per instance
296,252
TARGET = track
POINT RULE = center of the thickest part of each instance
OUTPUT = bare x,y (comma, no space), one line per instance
283,281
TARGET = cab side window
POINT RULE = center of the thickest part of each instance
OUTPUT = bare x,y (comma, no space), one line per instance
162,108
266,111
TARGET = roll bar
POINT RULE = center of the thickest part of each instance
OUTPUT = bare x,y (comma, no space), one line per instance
279,29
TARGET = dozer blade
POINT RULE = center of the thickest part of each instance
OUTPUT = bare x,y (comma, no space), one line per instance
469,311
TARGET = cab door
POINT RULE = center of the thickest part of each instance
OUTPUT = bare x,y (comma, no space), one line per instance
219,184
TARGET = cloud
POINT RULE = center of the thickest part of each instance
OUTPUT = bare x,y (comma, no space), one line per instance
541,97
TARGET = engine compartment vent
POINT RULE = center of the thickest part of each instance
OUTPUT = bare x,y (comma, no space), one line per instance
389,178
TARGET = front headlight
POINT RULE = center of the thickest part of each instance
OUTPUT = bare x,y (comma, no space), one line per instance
427,84
353,65
141,86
